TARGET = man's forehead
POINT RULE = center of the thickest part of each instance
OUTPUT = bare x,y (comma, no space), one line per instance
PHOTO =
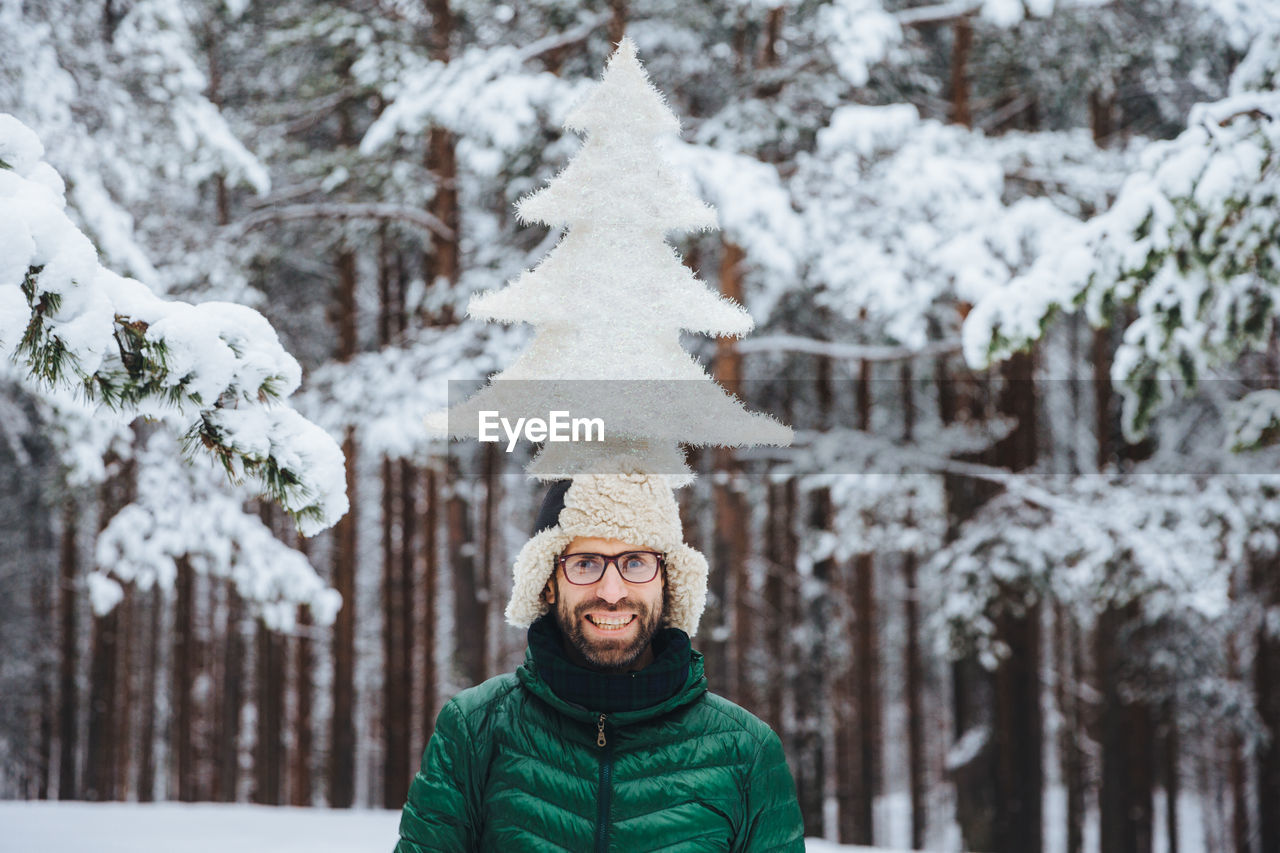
595,545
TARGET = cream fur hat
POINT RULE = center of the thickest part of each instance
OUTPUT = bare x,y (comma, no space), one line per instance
636,508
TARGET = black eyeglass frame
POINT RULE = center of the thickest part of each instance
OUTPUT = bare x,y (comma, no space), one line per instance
611,558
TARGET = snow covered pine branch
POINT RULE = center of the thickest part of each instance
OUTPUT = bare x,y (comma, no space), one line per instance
216,367
1189,244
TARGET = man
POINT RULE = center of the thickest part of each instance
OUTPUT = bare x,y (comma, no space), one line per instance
606,738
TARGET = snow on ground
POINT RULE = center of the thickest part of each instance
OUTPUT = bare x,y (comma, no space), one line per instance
40,827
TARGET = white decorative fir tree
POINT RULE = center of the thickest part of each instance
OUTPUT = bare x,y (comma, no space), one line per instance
610,301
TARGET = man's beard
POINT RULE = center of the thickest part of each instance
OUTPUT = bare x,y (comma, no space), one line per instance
608,655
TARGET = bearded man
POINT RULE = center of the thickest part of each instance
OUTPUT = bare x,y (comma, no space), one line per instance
606,738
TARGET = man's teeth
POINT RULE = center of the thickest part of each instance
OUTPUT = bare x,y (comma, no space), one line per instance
610,621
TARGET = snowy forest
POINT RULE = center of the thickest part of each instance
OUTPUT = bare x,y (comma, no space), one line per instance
1014,270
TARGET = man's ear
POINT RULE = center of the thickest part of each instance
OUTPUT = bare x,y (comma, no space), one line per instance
549,593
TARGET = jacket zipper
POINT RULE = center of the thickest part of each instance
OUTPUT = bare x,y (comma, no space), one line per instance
605,792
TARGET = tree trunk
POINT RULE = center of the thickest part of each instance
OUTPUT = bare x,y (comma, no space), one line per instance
811,693
342,736
1125,739
715,618
268,766
300,788
780,569
105,677
1236,774
999,785
390,291
858,735
1102,117
617,20
1106,413
857,774
866,617
772,32
126,747
409,479
427,613
46,711
398,594
961,46
1172,780
813,608
851,825
976,797
735,521
915,709
1125,742
441,261
470,596
203,707
99,777
393,669
398,524
1019,736
780,584
916,778
227,748
150,684
726,659
1067,648
1267,692
68,689
184,654
971,687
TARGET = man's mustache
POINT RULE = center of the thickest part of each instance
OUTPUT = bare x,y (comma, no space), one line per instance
638,610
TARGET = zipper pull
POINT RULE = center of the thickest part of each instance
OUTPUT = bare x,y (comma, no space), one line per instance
600,741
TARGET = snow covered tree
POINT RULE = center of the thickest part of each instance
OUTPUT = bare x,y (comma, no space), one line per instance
1186,246
610,301
186,514
218,367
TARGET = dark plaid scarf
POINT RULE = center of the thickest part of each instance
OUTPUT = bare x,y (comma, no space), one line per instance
610,692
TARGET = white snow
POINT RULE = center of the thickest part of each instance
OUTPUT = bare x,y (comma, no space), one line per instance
14,313
20,148
483,95
860,33
215,828
1250,416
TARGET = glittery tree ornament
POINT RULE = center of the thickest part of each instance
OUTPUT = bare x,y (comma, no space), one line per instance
609,302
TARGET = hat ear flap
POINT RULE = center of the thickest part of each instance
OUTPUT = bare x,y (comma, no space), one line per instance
534,565
686,588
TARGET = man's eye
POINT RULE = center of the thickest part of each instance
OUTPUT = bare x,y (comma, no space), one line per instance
635,561
584,564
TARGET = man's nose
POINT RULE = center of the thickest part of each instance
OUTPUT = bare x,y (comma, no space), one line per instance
611,587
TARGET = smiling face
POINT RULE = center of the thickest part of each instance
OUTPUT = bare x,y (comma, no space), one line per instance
609,624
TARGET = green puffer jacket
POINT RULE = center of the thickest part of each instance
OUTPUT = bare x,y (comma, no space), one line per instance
512,767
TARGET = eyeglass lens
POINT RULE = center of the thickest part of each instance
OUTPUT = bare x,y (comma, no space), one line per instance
635,567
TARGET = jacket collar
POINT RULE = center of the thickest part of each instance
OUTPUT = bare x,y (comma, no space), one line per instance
675,678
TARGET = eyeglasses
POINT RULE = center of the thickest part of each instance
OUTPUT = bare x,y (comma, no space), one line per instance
633,566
